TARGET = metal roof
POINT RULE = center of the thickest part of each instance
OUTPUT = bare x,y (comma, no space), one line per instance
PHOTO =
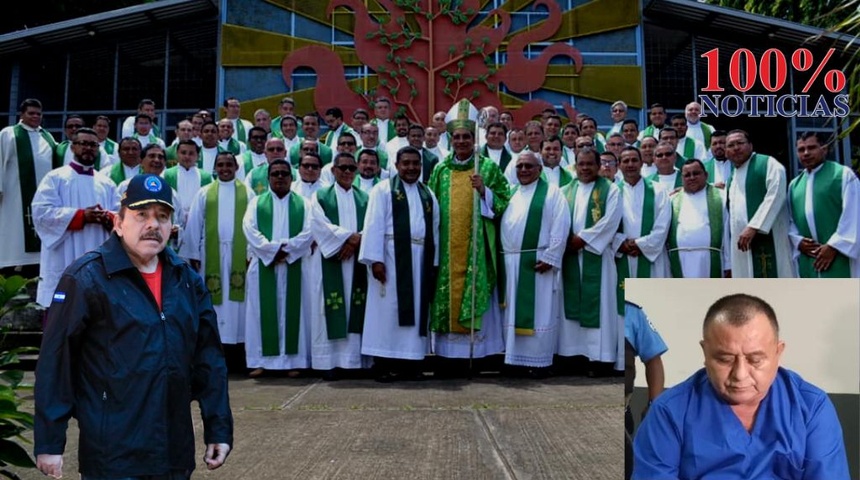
114,22
714,20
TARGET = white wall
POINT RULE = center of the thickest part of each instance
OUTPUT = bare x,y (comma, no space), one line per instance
819,321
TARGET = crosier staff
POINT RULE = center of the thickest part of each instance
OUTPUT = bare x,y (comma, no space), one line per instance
476,218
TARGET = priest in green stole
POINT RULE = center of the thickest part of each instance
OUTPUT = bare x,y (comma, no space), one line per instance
641,239
217,248
534,231
699,240
758,212
368,169
128,164
26,156
590,323
258,178
279,300
185,178
453,182
400,248
824,206
337,222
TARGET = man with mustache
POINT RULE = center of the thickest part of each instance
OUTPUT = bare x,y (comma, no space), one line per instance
131,340
71,212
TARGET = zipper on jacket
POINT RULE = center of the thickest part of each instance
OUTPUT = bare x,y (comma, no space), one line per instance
163,319
104,395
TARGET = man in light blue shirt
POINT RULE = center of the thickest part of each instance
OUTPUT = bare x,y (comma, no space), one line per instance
742,416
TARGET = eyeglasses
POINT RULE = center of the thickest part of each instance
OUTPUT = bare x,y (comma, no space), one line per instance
275,149
609,163
661,155
346,144
87,144
310,166
583,145
526,166
280,174
347,168
257,137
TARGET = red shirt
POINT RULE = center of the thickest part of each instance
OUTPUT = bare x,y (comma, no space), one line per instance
153,281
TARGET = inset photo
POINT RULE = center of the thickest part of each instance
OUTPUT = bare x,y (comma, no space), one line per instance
742,379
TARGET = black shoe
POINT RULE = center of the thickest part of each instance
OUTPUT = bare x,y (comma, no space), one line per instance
331,375
538,373
387,377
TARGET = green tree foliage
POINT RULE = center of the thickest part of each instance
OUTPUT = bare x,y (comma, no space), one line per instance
817,13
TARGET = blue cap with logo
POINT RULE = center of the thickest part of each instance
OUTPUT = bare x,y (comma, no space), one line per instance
145,189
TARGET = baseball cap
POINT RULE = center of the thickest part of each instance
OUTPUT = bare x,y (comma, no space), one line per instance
145,189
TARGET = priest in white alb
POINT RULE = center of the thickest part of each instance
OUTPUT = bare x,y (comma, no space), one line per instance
26,156
72,212
758,212
337,224
400,246
279,297
218,249
534,230
824,206
699,241
641,241
590,325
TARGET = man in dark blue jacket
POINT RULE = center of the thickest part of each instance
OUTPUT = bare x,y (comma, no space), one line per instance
131,340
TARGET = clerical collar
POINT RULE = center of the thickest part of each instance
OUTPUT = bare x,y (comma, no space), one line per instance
720,159
461,162
310,184
81,169
228,182
188,169
491,149
280,199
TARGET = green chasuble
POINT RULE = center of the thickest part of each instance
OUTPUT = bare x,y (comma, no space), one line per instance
762,247
582,286
643,265
826,210
524,317
715,219
238,264
451,311
27,179
269,281
337,324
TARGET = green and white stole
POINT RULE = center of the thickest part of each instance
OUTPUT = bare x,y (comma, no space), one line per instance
762,247
233,146
171,176
524,316
357,181
117,173
715,219
238,265
582,287
151,137
689,148
337,325
110,146
827,208
564,176
27,180
246,159
259,179
643,265
655,177
403,255
240,130
269,282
